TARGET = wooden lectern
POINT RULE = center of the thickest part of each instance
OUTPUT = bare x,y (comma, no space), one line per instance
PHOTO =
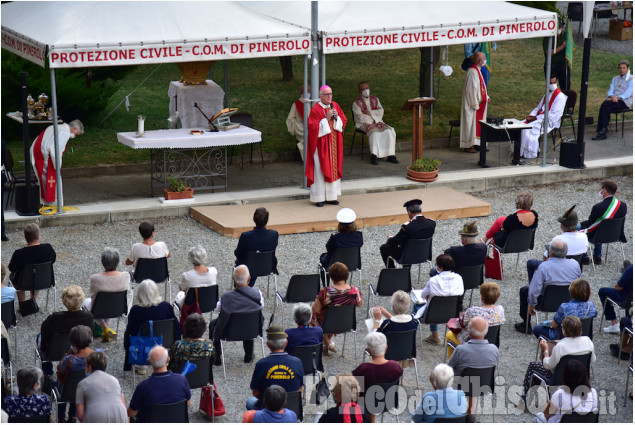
417,105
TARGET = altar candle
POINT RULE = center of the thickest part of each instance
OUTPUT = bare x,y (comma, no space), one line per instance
141,120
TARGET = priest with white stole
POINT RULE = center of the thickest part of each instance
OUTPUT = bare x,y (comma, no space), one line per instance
325,150
530,138
474,105
43,157
369,114
295,119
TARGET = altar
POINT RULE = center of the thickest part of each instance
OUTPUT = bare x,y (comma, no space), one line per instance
209,97
200,160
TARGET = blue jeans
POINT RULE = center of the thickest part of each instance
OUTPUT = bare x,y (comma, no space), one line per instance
251,403
617,296
597,248
547,332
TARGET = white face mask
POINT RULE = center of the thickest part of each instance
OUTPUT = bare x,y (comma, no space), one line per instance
366,92
559,31
552,87
600,195
484,63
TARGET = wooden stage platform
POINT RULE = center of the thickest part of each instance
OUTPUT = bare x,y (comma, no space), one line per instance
376,209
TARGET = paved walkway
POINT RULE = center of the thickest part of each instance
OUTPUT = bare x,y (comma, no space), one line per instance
115,193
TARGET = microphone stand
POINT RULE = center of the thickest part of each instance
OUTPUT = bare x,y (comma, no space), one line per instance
209,121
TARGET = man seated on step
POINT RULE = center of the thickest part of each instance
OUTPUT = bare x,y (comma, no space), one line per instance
530,138
557,270
149,248
369,114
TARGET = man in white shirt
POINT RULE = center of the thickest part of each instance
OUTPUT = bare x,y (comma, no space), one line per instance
529,139
619,97
369,114
577,242
295,119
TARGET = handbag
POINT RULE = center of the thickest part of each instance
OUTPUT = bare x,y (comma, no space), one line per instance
211,404
140,346
28,307
493,267
321,391
189,309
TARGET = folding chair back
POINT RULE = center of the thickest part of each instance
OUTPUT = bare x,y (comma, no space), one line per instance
243,326
9,316
155,269
310,356
169,413
608,231
441,309
385,397
339,319
472,276
5,351
302,288
401,345
162,328
556,377
69,388
474,380
416,251
553,296
260,263
587,327
200,376
207,297
519,240
294,403
109,305
32,419
350,257
494,335
393,280
58,347
580,418
36,277
456,420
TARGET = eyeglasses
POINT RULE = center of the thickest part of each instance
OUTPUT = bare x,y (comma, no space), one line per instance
326,94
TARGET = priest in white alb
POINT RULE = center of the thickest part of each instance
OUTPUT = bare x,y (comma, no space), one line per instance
530,138
474,104
295,119
43,157
368,114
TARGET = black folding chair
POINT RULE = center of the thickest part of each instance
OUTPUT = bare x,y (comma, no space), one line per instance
472,278
8,362
169,413
587,330
494,335
110,305
403,346
477,381
10,320
574,13
456,420
341,319
416,251
199,377
207,299
580,418
556,376
260,264
550,301
162,328
519,240
69,388
569,108
310,356
438,312
155,269
389,282
351,257
241,327
32,419
302,288
37,277
383,398
357,130
294,403
610,230
58,347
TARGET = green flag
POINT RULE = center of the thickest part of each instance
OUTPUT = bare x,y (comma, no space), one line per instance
487,49
568,53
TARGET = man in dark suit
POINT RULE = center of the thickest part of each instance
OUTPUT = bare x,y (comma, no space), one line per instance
243,299
260,239
470,252
418,227
610,207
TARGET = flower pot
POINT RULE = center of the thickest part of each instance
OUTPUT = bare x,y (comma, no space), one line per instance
170,195
422,176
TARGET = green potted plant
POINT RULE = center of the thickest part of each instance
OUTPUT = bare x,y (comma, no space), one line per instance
177,189
424,169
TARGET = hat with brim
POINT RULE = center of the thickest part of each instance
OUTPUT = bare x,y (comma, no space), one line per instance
569,218
346,215
276,332
413,202
469,229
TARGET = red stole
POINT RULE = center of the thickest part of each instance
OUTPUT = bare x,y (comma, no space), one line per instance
481,106
299,105
45,173
329,147
541,107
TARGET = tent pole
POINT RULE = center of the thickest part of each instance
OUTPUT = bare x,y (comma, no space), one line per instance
323,59
315,70
431,79
226,98
305,133
545,122
56,138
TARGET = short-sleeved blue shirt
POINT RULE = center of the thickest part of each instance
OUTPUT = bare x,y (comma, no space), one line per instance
277,369
159,388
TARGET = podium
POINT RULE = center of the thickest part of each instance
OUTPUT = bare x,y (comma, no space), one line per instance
417,105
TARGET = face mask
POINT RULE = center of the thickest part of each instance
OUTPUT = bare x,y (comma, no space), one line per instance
552,87
484,63
600,195
559,32
366,92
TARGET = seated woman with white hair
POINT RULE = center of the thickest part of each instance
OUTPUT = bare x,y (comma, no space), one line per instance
444,401
400,321
200,276
304,333
378,370
149,306
110,280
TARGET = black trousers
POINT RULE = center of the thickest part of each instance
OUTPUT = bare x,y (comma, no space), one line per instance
389,251
524,304
606,109
562,73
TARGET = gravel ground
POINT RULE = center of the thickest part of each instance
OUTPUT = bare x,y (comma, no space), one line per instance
78,249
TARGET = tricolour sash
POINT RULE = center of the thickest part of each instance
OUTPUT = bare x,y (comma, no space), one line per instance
609,213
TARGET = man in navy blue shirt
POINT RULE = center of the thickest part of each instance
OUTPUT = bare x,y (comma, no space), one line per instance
260,239
162,387
279,368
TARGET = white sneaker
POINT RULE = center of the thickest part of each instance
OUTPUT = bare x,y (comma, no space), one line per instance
612,329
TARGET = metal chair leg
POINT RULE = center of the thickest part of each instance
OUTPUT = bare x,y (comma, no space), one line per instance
222,356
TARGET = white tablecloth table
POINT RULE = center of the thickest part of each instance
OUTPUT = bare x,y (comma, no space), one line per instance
196,159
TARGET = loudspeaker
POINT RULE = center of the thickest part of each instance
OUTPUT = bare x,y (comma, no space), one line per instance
27,203
572,154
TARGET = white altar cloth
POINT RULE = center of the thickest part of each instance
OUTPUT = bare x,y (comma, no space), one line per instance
182,139
209,98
